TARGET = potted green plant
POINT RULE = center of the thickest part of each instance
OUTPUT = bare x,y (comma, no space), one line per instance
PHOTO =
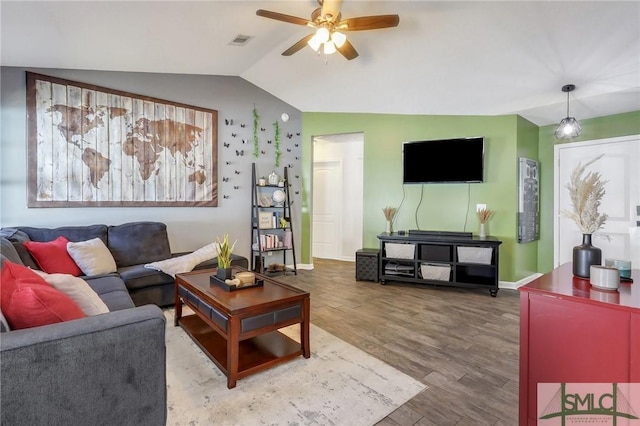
224,257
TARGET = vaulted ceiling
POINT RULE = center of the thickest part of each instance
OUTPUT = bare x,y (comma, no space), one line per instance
445,57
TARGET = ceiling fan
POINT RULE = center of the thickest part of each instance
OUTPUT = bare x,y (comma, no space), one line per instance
330,28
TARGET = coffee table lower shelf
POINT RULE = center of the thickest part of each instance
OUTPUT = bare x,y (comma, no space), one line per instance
255,354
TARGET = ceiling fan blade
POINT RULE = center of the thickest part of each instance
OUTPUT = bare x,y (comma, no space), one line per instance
282,17
299,45
348,51
369,22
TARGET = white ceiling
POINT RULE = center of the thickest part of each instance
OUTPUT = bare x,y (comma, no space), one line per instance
445,57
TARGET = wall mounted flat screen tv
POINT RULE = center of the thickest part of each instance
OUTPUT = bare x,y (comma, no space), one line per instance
458,160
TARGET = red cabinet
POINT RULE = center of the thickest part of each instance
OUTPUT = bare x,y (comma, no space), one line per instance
571,332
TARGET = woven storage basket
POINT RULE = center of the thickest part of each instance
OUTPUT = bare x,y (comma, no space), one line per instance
480,255
431,271
400,251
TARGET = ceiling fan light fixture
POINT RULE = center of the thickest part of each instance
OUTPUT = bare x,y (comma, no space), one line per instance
569,127
314,43
338,38
329,48
322,34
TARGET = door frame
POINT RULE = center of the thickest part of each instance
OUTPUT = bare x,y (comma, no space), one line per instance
334,138
556,181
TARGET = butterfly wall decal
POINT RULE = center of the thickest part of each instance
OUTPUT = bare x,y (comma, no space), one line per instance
240,153
226,145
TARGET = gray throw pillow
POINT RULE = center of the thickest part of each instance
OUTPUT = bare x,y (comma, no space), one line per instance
9,252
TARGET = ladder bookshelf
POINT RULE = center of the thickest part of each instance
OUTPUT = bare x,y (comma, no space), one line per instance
272,241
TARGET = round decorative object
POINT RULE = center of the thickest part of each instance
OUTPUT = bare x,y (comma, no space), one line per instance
285,117
278,196
604,277
246,278
265,201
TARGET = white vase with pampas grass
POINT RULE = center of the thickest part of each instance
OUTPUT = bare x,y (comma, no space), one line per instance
389,213
483,216
586,193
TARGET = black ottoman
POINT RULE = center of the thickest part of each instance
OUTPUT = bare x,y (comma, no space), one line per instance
367,264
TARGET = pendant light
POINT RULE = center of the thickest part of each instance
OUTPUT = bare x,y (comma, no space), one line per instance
569,127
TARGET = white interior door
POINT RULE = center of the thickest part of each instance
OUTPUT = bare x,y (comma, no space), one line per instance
620,236
337,188
327,197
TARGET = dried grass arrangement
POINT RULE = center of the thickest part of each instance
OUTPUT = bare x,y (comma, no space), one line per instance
484,215
586,194
389,213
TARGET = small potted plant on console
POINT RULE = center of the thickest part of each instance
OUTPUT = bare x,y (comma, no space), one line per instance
224,258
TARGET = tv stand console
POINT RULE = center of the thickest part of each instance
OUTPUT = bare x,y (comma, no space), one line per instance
456,259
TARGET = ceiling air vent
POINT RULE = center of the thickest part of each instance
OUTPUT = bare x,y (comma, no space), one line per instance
240,40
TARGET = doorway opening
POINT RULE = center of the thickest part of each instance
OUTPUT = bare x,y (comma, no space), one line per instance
337,196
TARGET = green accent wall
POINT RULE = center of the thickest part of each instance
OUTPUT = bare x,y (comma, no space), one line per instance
444,207
611,126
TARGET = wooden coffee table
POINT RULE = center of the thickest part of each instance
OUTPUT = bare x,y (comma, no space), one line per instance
239,330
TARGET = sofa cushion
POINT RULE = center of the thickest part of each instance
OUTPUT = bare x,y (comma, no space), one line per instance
25,258
137,277
72,233
78,290
9,251
52,256
28,301
137,243
14,235
111,290
92,256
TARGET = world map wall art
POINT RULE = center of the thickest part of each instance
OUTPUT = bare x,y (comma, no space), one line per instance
89,146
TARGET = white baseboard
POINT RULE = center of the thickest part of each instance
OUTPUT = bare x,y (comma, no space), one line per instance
304,266
514,285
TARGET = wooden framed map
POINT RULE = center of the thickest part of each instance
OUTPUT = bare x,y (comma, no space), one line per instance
89,146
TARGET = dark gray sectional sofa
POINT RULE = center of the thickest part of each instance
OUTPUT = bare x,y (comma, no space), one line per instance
106,369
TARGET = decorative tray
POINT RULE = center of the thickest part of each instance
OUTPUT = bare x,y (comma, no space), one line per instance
217,281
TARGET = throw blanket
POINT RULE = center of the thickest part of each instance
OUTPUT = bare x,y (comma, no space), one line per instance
185,263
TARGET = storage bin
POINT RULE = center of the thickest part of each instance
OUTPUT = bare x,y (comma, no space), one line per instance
367,264
432,271
400,251
480,255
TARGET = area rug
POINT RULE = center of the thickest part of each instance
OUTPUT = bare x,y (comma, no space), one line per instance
338,385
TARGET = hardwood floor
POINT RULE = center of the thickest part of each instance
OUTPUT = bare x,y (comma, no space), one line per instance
463,344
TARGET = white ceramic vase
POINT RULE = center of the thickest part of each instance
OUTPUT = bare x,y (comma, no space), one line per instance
483,231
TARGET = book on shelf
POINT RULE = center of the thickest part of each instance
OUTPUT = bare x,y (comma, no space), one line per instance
270,242
265,220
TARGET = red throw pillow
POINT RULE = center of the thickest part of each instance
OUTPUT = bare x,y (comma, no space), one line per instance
53,257
27,300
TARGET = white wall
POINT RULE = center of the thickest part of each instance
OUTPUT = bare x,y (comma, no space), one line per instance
189,228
